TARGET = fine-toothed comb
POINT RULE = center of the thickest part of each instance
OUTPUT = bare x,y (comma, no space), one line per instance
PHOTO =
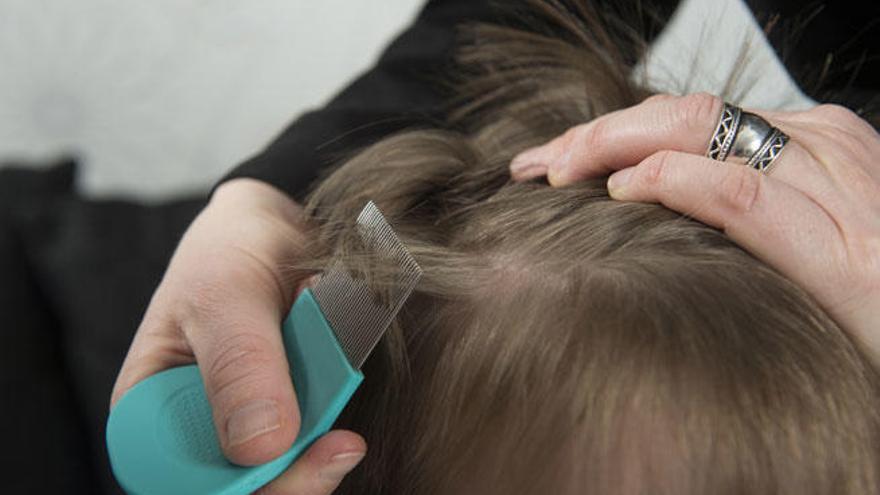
161,436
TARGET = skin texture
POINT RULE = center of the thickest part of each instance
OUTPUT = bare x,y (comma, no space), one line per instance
815,216
220,304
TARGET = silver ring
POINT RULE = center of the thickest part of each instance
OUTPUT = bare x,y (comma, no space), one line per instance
725,131
745,138
769,151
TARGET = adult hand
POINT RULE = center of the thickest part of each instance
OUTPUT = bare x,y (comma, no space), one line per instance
815,216
220,304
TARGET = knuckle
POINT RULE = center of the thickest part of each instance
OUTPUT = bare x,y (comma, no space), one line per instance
844,119
561,148
835,113
240,362
700,109
658,97
845,142
741,189
596,135
654,169
571,135
204,298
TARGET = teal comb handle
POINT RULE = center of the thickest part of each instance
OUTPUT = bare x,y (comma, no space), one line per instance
161,438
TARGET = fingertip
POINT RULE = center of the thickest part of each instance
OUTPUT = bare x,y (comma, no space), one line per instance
322,467
342,441
618,182
339,466
561,173
558,177
336,454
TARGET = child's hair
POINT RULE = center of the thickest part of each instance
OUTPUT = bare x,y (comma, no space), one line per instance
561,342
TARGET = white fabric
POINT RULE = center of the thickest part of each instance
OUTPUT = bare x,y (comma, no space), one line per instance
162,96
707,41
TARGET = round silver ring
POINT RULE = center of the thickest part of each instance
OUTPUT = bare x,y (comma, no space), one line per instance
724,133
745,138
769,151
751,134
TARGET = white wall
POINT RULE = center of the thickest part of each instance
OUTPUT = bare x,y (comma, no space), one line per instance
162,96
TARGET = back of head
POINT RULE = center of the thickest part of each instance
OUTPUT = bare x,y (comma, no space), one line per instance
562,342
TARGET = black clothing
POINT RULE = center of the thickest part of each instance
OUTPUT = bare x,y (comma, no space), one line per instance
404,89
807,35
75,278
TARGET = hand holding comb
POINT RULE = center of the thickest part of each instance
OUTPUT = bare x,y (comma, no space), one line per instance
160,435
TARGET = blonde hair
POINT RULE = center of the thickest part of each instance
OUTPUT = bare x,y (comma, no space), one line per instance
562,342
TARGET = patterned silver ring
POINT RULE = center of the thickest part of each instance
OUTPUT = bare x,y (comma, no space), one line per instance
769,151
745,138
725,131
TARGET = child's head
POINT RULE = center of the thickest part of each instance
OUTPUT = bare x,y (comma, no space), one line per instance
561,342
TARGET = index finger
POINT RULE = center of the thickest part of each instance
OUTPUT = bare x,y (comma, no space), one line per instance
321,468
623,138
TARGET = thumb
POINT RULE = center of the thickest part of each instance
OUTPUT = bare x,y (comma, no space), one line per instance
222,301
237,341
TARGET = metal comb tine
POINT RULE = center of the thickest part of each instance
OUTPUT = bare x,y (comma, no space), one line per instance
350,306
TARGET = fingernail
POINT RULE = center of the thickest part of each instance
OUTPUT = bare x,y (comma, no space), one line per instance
618,180
252,420
340,465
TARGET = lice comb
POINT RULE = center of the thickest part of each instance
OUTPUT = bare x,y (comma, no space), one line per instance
160,435
357,314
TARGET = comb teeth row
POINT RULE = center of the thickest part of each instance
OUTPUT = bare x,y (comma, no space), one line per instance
358,317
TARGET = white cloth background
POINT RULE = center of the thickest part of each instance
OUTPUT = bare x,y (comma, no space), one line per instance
163,96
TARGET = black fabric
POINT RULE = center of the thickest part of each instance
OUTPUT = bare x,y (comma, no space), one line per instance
407,88
76,278
403,89
97,263
830,48
45,440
